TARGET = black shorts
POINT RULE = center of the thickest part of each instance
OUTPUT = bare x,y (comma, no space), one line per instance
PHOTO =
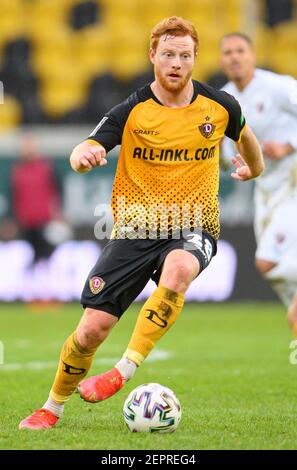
125,266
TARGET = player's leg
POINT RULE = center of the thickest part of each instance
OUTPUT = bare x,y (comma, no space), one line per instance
276,257
163,307
178,267
131,264
157,315
285,288
99,317
75,361
183,262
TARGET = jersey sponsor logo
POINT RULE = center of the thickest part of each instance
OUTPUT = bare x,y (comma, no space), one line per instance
207,129
146,132
96,284
174,155
103,120
71,370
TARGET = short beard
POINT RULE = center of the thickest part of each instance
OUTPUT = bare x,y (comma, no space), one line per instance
172,86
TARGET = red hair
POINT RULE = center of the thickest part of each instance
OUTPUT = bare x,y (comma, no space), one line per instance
175,26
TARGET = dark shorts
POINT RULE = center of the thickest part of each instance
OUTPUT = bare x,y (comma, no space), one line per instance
125,266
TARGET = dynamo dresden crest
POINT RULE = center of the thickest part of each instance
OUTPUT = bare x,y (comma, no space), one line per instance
207,129
96,284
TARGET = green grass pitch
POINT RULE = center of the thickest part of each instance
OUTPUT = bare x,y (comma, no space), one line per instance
227,363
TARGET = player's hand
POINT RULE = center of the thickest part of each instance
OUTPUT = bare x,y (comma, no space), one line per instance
243,172
276,151
92,156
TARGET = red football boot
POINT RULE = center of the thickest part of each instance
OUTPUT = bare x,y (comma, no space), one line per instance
40,419
100,387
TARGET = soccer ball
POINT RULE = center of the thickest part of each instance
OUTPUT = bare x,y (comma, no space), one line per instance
152,408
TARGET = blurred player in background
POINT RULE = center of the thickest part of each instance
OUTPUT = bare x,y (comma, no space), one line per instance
269,102
170,132
35,197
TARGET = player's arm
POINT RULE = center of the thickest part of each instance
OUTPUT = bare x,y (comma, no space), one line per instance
106,135
87,155
277,151
286,100
250,163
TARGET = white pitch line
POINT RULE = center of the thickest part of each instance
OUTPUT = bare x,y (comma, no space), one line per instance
22,343
157,355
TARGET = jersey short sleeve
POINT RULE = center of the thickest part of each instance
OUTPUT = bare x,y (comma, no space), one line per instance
236,119
110,129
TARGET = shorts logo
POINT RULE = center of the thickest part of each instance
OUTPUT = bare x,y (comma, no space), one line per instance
207,129
96,284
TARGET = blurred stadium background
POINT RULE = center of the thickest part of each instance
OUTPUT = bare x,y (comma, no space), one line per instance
63,64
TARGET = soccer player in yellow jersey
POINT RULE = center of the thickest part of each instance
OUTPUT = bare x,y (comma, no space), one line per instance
165,207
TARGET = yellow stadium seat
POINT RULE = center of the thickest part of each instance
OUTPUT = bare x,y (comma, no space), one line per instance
114,23
128,52
10,113
263,39
283,60
92,50
50,8
58,98
55,67
11,25
7,5
286,33
282,56
127,66
202,8
56,33
152,12
52,50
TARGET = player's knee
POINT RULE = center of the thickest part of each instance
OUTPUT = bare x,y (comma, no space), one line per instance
264,266
183,272
94,328
178,276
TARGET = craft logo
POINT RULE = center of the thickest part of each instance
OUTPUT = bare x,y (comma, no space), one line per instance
96,284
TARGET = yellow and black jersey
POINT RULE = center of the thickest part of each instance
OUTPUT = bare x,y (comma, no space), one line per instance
167,175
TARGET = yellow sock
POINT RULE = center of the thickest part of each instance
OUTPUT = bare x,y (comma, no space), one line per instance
157,315
74,365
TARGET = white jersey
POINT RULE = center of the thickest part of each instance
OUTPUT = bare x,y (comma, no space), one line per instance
269,104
